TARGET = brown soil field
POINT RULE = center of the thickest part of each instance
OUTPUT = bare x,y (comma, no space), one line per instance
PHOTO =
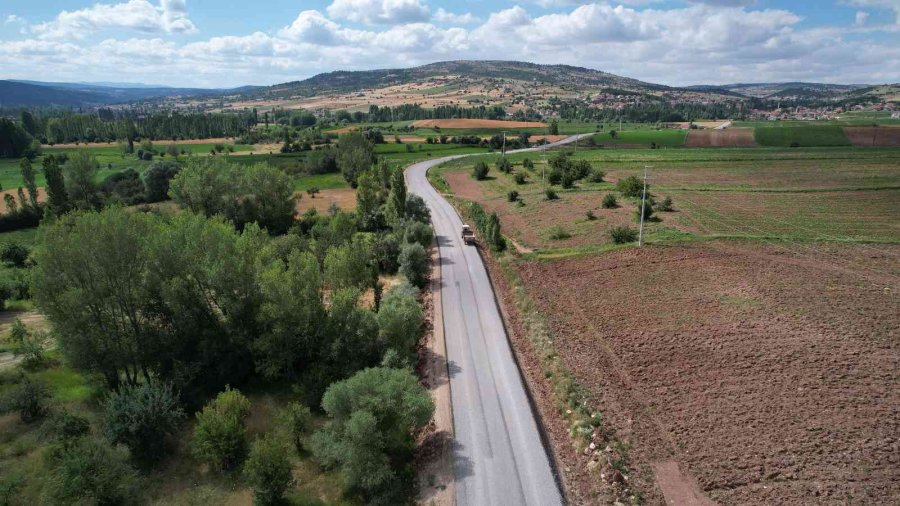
767,378
873,136
345,198
41,196
729,138
476,123
259,149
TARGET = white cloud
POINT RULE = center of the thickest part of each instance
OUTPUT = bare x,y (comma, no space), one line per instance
377,12
893,5
170,16
861,18
443,16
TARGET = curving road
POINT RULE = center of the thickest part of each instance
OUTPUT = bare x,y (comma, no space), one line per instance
499,458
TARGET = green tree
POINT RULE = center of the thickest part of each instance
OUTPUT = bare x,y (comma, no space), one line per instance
494,237
416,231
220,437
350,265
554,127
631,186
268,470
414,263
374,417
141,417
368,201
480,171
28,399
355,155
157,178
81,186
294,420
352,337
397,199
57,197
400,320
90,471
28,175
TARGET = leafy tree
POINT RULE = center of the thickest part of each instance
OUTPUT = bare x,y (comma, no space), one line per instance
352,337
503,165
14,140
631,186
268,470
419,232
387,249
312,191
157,178
140,417
417,209
355,155
220,437
81,173
294,420
350,265
28,398
28,175
400,320
65,427
368,201
494,237
397,199
14,254
414,263
554,127
172,150
57,196
11,205
125,186
90,471
480,171
373,419
528,164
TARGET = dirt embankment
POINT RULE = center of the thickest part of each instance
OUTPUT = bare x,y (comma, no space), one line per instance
765,378
882,136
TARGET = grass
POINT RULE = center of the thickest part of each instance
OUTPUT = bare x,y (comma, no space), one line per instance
801,136
669,138
67,384
320,181
26,237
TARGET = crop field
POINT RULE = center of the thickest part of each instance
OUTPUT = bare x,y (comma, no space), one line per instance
873,136
750,343
801,136
642,138
728,138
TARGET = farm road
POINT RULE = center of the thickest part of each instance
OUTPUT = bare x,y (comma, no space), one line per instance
498,455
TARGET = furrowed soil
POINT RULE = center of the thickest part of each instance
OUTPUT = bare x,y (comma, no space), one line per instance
729,138
873,136
764,377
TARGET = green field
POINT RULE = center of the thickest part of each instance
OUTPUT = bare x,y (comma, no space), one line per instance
801,136
669,138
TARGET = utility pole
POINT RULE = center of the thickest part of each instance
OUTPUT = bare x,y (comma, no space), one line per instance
643,204
503,150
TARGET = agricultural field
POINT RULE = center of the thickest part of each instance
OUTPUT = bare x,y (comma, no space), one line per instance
748,346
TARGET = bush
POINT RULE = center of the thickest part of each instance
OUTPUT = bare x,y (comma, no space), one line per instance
413,263
156,180
623,235
417,209
596,176
520,178
418,232
503,165
28,398
140,417
550,194
559,233
631,186
220,438
90,472
400,320
14,254
609,201
666,205
268,470
528,164
590,215
387,251
648,211
512,196
64,426
294,421
480,171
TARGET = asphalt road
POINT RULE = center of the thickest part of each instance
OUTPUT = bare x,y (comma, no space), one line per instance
498,455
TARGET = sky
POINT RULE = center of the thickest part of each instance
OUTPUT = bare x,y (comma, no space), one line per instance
227,43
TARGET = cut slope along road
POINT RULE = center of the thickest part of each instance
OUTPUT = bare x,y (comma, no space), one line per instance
498,455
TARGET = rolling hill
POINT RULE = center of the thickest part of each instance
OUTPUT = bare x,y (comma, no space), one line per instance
43,94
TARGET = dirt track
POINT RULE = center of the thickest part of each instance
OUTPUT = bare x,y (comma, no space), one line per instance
768,378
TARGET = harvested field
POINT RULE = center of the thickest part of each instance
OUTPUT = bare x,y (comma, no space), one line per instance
767,377
728,138
476,123
41,197
873,136
344,198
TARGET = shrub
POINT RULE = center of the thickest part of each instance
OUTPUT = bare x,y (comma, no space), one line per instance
14,254
64,426
220,438
623,235
417,209
648,211
90,471
512,196
416,231
666,205
631,186
528,164
480,171
609,201
387,251
400,320
312,191
413,263
520,178
503,165
492,233
294,420
156,180
590,215
268,470
28,398
596,176
559,233
550,194
140,417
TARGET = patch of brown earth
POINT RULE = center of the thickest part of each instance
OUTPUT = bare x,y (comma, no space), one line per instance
768,378
41,197
873,136
344,198
728,138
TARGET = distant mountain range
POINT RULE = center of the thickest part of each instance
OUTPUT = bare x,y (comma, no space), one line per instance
44,94
461,82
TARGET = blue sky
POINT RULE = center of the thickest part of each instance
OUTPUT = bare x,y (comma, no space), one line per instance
222,43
